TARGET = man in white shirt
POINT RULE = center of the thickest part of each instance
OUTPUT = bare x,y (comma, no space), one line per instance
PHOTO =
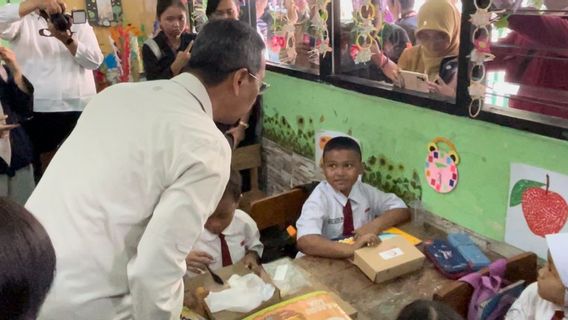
59,67
127,194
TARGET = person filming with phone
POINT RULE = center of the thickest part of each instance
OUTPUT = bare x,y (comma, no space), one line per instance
16,102
57,55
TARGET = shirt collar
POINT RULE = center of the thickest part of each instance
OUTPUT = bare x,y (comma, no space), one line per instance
355,195
195,88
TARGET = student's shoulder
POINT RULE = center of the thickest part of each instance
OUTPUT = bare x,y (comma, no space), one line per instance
242,217
321,192
529,296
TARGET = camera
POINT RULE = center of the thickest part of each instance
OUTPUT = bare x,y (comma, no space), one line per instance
63,21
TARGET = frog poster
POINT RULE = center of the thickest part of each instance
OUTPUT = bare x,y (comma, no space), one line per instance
537,206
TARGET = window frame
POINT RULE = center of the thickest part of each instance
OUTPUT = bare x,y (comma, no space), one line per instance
458,108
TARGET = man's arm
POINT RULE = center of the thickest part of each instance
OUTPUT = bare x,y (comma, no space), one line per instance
155,273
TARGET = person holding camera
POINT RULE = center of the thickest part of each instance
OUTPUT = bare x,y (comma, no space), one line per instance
58,62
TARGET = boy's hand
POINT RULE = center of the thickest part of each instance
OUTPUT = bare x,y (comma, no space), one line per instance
198,260
370,227
252,262
369,240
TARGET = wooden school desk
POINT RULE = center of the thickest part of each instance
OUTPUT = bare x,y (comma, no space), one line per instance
377,301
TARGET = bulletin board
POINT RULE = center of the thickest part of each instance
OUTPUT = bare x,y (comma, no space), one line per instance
138,13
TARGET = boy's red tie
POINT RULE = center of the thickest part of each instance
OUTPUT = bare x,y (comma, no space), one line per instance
225,254
558,315
347,220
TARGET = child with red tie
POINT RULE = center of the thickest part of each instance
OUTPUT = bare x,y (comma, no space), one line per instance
229,236
546,299
343,206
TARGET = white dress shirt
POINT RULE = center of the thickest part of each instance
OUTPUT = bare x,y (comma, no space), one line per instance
530,306
322,213
126,197
242,235
62,82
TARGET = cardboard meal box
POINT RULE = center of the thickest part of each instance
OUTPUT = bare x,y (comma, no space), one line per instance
390,259
206,281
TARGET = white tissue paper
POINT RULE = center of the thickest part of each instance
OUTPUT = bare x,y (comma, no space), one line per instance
245,294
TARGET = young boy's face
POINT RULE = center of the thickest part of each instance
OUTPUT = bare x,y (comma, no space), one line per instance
550,286
341,169
223,215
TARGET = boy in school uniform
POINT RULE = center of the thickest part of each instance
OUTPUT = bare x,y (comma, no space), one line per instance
546,299
343,206
230,235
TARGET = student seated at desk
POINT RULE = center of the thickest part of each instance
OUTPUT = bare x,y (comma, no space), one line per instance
230,235
342,206
547,299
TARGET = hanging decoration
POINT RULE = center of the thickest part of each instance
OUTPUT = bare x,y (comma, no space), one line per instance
442,166
364,27
481,53
319,28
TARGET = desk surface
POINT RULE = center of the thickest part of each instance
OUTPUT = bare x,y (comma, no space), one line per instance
376,301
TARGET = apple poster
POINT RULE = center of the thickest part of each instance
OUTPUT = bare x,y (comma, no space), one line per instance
537,206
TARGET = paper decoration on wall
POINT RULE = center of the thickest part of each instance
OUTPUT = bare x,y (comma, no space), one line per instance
537,207
322,137
104,13
442,166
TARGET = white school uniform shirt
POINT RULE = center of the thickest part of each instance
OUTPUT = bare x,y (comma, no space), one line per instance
322,213
242,235
126,197
62,82
530,306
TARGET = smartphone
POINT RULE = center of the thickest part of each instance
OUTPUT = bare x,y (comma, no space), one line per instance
414,81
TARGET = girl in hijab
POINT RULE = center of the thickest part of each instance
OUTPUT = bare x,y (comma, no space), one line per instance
437,36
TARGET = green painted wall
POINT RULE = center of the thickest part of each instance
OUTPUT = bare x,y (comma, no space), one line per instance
397,134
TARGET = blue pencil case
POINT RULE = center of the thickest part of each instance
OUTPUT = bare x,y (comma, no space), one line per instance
469,250
446,258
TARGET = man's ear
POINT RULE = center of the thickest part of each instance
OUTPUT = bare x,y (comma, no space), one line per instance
239,78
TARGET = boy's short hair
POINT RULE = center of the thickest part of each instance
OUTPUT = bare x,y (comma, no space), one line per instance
428,310
234,186
342,143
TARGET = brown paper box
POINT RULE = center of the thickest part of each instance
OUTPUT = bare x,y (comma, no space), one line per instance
392,258
206,281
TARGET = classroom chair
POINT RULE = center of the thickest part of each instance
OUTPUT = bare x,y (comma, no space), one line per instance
279,210
249,158
457,294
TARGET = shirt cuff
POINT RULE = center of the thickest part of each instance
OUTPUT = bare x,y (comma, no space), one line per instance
11,13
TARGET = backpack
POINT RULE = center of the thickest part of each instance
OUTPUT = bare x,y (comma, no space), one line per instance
486,287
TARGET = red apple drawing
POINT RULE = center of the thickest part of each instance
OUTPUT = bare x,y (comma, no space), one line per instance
545,211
